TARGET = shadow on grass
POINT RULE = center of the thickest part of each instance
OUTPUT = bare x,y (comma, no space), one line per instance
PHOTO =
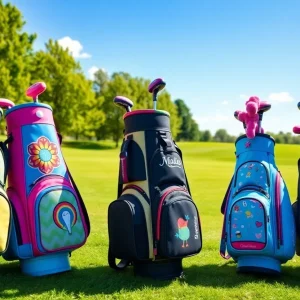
103,280
226,276
87,145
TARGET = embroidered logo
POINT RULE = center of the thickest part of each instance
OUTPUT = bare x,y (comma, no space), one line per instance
171,162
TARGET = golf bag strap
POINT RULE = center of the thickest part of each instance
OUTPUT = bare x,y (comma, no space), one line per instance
223,243
223,206
5,152
84,210
180,154
112,262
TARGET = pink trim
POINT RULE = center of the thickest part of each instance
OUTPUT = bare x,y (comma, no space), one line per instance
28,115
124,169
40,186
16,183
138,112
162,199
248,245
278,209
5,103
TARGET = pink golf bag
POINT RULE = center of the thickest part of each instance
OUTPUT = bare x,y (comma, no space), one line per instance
49,217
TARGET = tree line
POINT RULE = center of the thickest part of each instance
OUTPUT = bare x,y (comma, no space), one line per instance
83,108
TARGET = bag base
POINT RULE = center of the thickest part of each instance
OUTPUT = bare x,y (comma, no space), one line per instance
258,264
160,269
46,264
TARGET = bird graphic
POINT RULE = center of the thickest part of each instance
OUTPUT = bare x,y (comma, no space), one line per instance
183,231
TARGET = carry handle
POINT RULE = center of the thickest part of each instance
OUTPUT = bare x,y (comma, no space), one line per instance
5,103
35,90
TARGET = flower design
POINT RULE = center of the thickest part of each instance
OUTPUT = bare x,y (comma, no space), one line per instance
43,155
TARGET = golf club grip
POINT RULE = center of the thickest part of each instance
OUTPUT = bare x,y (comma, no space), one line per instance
5,103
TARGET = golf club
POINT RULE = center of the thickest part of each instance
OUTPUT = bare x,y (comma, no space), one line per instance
35,90
236,115
123,102
154,87
263,107
296,129
5,103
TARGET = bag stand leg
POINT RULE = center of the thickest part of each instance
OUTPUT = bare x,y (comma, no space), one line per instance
258,264
46,265
160,269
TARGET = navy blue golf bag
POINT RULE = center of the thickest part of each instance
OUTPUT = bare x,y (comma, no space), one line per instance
259,228
154,222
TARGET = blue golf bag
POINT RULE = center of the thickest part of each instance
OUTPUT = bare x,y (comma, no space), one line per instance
259,228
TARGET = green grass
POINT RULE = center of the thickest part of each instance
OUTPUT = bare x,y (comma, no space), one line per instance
209,167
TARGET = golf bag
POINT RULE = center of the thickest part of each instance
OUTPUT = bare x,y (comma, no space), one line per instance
258,228
154,222
49,216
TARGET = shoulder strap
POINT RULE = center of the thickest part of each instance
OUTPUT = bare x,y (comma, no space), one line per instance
224,202
5,152
84,210
223,243
112,262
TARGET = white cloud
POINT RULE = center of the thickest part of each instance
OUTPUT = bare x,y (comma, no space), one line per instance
92,70
218,118
224,102
74,46
280,97
244,97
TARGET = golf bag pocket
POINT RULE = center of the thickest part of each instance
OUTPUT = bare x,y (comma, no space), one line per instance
252,173
127,228
132,163
249,222
178,232
56,219
166,167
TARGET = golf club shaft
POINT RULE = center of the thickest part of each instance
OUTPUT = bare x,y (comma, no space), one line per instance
259,121
155,100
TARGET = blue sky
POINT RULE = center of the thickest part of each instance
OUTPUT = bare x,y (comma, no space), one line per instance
213,54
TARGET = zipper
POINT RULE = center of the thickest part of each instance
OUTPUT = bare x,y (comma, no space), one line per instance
139,189
46,176
252,187
267,173
278,211
158,221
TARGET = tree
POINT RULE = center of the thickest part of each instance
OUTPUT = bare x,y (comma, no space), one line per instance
206,136
15,53
136,89
69,93
221,135
189,130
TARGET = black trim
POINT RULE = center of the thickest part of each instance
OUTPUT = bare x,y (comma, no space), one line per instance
112,262
143,122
